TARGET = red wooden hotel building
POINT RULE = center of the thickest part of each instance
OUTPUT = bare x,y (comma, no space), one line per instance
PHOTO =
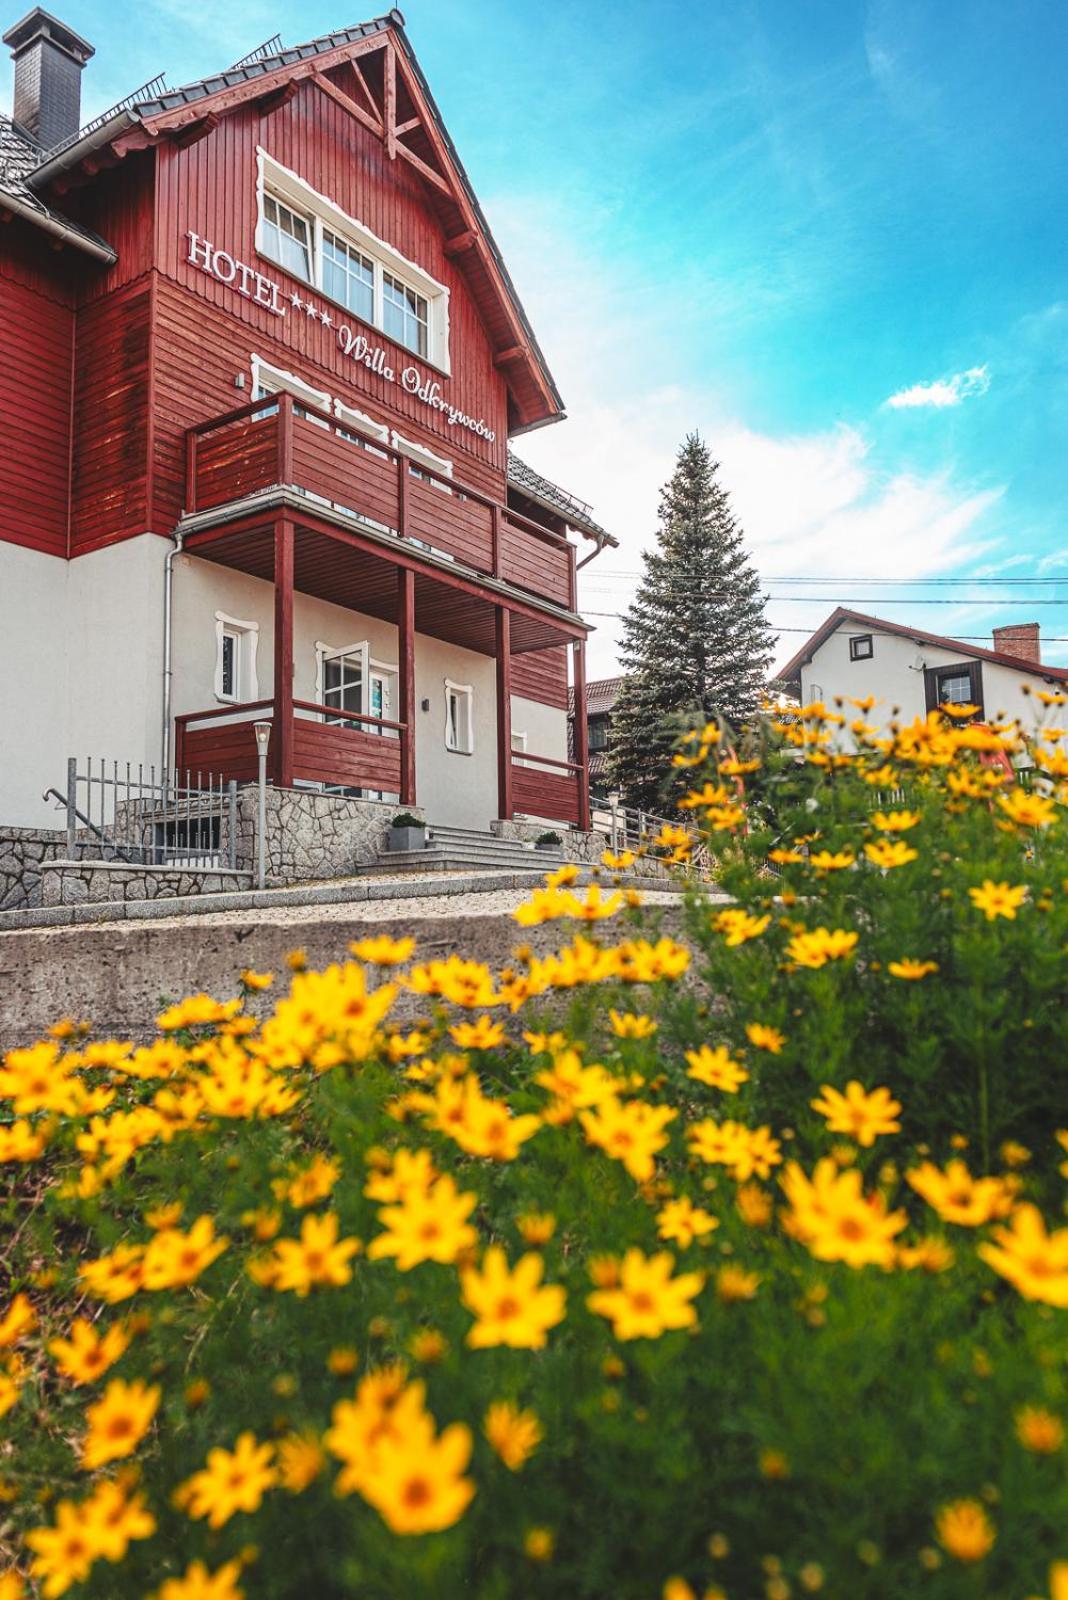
262,360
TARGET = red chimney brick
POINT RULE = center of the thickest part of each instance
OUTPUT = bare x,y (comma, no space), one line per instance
1019,640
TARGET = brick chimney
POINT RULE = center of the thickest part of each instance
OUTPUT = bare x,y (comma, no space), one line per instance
1019,640
49,58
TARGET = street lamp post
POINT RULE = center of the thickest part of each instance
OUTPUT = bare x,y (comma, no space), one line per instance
263,739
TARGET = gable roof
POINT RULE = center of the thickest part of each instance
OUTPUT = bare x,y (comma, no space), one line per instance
601,696
791,673
19,157
525,369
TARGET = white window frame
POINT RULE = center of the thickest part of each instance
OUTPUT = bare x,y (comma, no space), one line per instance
370,667
246,636
349,416
295,192
519,746
420,456
466,697
276,380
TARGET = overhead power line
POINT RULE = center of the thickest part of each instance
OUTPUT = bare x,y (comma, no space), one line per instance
978,638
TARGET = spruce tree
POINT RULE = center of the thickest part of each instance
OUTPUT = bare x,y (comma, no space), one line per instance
695,644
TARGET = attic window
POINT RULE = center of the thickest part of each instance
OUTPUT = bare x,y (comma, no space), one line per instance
307,234
861,647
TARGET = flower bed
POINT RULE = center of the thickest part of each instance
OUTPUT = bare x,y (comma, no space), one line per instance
749,1285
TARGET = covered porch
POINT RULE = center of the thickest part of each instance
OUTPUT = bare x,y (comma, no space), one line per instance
345,745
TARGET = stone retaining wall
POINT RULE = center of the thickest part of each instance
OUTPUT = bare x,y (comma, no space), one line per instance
73,883
23,851
312,835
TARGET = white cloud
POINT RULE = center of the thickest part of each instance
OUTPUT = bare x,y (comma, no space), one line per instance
943,392
812,505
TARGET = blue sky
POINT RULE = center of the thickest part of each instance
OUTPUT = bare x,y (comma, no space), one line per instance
767,220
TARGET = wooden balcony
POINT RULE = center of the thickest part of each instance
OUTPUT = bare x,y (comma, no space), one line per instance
277,442
353,752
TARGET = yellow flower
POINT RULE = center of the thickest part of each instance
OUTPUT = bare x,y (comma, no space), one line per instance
745,1152
832,860
395,1459
764,1038
383,951
233,1480
785,858
114,1277
86,1356
998,899
965,1530
738,926
343,1360
174,1259
509,1305
1039,1430
164,1216
512,1433
427,1226
734,1284
17,1321
627,1025
21,1142
895,821
833,1217
929,1255
539,1544
319,1259
717,1068
1034,1261
911,969
618,861
1027,810
774,1465
861,1115
484,1034
754,1205
195,1011
649,1300
311,1184
677,1589
256,980
479,1125
814,947
683,1222
98,1527
957,1196
118,1421
629,1131
197,1583
300,1461
428,1346
536,1228
889,853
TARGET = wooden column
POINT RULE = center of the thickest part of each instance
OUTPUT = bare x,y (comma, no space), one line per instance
406,680
582,736
504,713
282,732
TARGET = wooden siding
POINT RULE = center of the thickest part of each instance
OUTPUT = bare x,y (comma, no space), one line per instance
211,188
226,750
534,563
541,675
537,793
111,420
37,338
325,753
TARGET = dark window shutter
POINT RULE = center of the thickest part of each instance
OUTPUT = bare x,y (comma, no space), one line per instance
930,687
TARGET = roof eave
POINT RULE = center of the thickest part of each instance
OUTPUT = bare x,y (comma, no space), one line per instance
70,155
78,239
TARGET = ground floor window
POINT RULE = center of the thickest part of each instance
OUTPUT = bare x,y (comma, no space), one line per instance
235,658
459,718
350,683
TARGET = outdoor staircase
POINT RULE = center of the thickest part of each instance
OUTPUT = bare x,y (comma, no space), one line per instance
466,850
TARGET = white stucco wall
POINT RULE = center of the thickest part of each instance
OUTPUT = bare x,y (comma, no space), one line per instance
894,675
80,664
453,788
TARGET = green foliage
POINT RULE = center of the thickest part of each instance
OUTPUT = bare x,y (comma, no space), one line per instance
695,644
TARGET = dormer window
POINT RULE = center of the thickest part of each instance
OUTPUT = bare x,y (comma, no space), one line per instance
310,237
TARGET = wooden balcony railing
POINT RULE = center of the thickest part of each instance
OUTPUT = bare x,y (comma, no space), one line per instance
275,441
329,746
555,793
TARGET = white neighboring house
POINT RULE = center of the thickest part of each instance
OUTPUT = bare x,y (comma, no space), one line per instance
910,671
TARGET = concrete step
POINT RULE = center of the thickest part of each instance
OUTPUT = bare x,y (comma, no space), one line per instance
459,858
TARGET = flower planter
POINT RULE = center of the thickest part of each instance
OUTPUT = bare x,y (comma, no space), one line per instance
407,838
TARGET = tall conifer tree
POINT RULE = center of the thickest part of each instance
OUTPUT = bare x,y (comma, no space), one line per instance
695,642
